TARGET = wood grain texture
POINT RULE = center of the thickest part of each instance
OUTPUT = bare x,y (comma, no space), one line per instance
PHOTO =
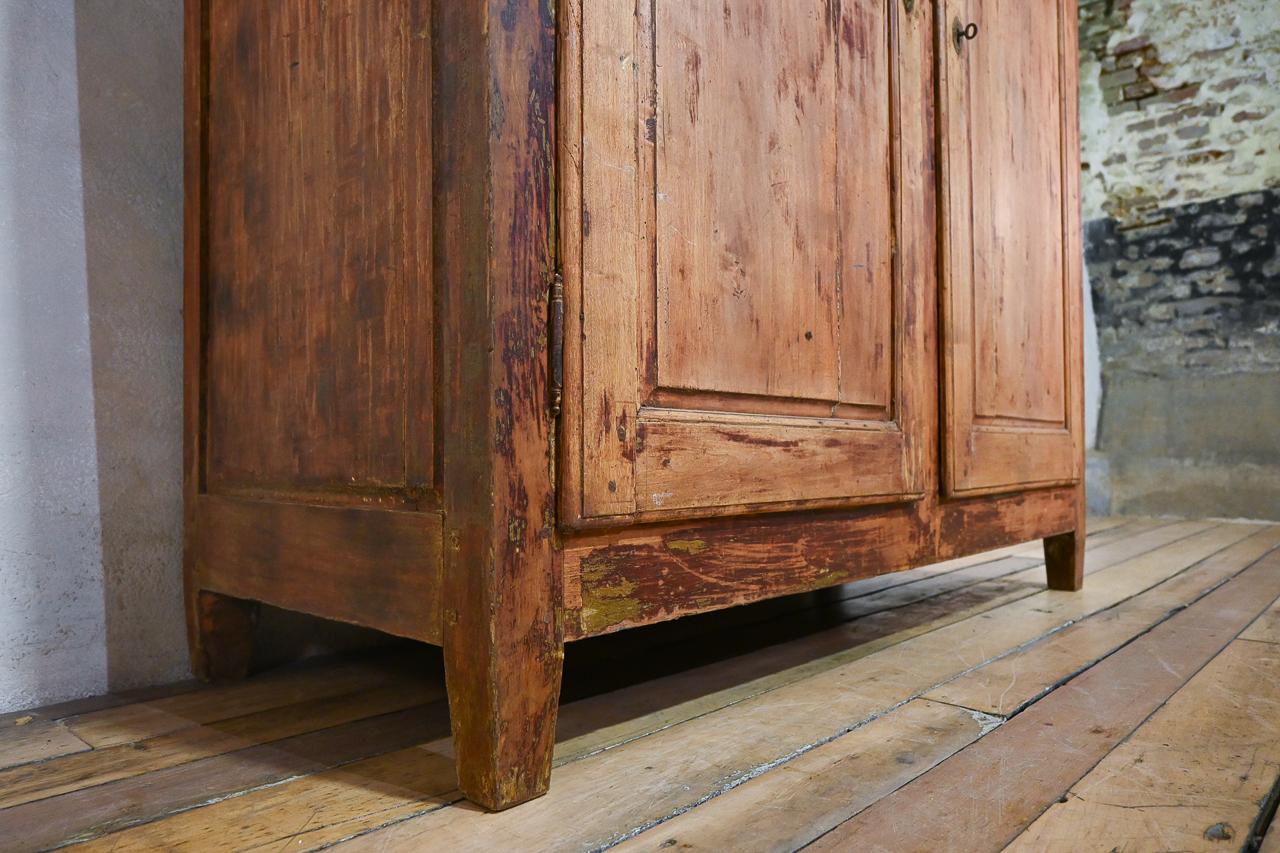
1270,842
1005,685
309,319
495,75
967,802
747,282
32,737
1267,628
319,296
192,791
373,567
225,624
755,229
1011,318
784,810
29,783
661,572
742,199
1190,777
145,718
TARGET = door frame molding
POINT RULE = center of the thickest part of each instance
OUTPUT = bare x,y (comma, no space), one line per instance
1030,456
635,440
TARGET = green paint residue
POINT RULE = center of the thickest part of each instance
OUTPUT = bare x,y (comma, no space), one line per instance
606,598
691,547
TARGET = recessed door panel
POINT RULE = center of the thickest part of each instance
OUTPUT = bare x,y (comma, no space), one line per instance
748,259
1011,302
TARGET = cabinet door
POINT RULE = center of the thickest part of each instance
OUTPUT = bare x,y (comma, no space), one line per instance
1011,301
747,249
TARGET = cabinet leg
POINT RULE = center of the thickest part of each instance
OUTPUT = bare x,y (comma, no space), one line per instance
1064,560
503,711
221,630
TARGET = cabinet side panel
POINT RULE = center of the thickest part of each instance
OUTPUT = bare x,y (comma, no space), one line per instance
319,301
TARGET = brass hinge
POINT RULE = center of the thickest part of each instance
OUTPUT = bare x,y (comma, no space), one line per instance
557,344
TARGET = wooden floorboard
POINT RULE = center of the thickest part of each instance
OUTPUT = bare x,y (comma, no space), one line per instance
1195,771
950,707
983,797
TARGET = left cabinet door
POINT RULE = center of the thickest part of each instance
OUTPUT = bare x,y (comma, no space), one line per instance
747,246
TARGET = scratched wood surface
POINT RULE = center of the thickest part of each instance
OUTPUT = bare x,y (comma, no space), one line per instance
749,245
956,706
1011,310
319,246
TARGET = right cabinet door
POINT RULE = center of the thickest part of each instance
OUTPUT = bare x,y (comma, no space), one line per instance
1011,254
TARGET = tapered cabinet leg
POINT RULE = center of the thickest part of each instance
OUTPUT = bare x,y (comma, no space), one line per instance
493,209
1064,560
503,709
221,636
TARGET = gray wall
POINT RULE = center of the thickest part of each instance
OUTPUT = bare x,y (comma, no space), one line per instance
90,347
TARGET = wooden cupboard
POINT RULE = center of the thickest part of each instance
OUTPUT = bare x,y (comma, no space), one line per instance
511,322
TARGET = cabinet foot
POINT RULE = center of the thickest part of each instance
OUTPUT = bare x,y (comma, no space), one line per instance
504,720
221,636
1064,560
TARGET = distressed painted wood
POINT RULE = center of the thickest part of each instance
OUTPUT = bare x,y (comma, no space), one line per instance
755,194
502,633
741,200
660,572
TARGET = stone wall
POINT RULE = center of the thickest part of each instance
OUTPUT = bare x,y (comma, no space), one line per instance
1180,137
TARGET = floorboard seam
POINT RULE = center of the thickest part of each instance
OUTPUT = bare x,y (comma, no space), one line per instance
1061,798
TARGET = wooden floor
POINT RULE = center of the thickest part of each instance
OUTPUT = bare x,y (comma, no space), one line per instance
956,707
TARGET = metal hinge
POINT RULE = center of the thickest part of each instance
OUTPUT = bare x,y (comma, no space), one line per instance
557,344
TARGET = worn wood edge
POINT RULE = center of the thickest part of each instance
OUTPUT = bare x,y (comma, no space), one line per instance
1120,553
746,560
950,578
194,264
494,230
376,568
